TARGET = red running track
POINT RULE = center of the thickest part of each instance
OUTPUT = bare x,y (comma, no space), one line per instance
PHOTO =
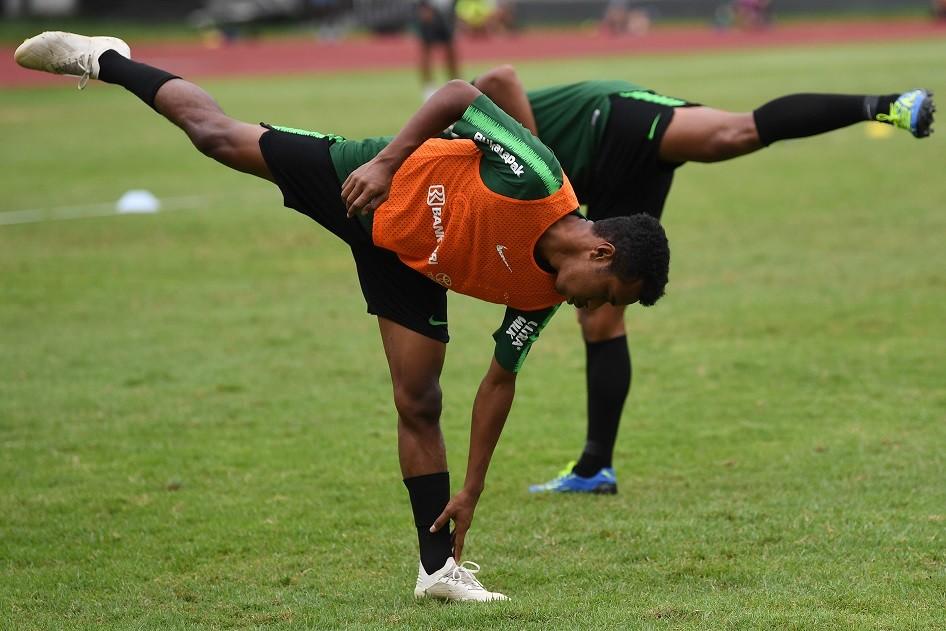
299,56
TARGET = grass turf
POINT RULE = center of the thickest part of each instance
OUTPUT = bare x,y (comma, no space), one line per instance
196,426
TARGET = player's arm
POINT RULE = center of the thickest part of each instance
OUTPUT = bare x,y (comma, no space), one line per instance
490,411
503,87
515,163
514,338
367,187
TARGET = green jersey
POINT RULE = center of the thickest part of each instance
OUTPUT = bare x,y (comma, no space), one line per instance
571,119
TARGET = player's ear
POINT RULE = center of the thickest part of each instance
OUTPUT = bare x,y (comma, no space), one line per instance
603,252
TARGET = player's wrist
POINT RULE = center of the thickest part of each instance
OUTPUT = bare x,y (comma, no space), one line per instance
392,157
473,488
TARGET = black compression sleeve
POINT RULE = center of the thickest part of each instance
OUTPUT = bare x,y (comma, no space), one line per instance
140,79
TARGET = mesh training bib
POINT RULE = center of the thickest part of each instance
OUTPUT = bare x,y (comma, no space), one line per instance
442,221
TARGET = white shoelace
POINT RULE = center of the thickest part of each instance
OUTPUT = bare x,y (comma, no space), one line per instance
84,62
86,66
463,574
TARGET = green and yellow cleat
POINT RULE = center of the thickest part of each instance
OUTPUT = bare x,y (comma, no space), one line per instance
913,111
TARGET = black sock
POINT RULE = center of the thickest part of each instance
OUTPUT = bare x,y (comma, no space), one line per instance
802,115
140,79
879,105
429,496
609,380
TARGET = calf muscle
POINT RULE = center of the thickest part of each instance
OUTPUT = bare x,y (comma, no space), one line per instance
228,141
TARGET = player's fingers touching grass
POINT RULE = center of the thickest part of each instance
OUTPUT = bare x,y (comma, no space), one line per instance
458,538
460,509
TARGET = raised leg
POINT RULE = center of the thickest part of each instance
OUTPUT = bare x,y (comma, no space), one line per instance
230,142
704,134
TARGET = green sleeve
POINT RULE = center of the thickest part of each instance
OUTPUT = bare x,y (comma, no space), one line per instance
515,163
519,330
348,155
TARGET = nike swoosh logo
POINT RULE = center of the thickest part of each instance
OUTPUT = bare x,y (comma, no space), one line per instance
435,322
499,250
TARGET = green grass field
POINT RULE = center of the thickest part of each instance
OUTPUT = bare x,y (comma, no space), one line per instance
195,419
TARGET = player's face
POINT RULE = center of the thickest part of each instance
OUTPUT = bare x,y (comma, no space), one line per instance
593,287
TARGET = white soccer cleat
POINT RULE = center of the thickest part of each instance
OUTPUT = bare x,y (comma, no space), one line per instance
455,583
68,53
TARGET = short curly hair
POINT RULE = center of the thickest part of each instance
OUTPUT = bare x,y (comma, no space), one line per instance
641,251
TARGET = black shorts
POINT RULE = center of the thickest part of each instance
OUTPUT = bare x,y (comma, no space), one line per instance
439,28
303,171
628,176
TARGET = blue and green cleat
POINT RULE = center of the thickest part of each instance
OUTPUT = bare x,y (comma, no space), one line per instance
604,482
913,111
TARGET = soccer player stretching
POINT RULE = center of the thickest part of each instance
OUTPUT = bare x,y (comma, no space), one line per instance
620,145
489,214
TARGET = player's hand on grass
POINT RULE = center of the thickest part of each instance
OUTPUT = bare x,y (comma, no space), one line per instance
367,187
460,509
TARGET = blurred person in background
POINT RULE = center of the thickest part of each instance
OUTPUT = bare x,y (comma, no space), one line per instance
504,17
483,18
938,8
752,15
620,19
436,28
743,14
475,15
620,145
232,20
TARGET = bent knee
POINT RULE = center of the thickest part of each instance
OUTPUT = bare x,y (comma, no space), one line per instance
419,406
213,133
604,323
210,140
497,78
733,140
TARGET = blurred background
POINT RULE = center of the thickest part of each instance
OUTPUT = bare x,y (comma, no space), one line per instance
459,31
395,15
